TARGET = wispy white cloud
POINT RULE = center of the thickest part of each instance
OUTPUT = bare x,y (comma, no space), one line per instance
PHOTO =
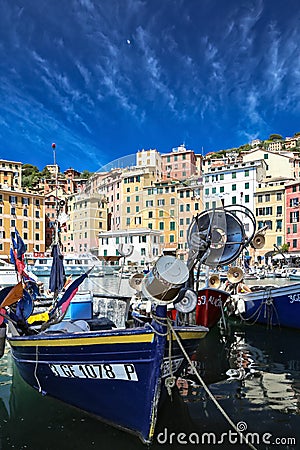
154,71
247,21
59,87
84,72
204,67
276,68
88,4
33,123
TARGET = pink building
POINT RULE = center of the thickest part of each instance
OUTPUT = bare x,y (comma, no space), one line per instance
179,164
292,195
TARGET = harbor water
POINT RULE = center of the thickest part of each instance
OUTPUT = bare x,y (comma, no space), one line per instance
252,371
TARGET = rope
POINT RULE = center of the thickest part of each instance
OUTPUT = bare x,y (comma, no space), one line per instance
267,301
206,388
223,317
170,380
161,321
155,331
35,368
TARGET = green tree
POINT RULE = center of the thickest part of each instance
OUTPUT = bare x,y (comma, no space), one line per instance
274,137
245,147
284,248
86,174
30,175
45,173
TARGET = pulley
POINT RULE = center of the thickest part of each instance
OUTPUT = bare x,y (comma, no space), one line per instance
186,301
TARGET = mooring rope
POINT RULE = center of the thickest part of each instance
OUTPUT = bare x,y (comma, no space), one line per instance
268,304
194,370
35,368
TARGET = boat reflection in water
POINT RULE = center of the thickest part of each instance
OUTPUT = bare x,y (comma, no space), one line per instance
255,376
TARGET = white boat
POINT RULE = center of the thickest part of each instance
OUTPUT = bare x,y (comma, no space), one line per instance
126,272
74,264
8,274
294,274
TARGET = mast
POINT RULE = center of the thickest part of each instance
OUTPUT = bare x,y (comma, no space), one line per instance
57,275
56,226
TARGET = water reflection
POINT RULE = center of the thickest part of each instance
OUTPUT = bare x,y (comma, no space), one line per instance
254,373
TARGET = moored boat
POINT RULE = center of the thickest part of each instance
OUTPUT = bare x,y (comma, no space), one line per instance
270,305
210,306
8,274
99,367
104,371
294,274
74,264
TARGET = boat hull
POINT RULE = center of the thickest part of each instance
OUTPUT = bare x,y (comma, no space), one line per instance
116,376
271,306
294,276
8,277
209,306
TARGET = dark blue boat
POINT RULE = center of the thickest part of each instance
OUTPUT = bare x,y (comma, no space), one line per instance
116,375
270,305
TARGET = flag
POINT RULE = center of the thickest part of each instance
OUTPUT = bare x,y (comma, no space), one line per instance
2,315
21,247
23,309
17,252
64,302
4,292
12,257
57,274
14,294
32,288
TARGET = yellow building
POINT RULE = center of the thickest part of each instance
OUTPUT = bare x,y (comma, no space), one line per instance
24,211
10,174
134,185
160,212
169,207
190,204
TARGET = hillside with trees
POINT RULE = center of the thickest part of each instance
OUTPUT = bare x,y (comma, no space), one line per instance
31,175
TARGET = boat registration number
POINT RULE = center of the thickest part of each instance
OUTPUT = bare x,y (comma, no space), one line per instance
294,298
96,371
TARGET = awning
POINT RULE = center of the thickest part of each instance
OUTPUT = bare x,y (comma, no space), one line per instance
282,256
110,258
269,254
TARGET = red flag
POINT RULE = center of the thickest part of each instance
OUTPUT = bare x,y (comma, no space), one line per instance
18,249
2,314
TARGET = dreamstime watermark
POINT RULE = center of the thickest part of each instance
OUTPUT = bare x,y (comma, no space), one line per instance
230,437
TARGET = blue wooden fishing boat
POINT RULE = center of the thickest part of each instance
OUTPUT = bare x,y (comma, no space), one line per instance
118,375
270,305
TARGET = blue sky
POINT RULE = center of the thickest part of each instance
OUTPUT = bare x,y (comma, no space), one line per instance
105,78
